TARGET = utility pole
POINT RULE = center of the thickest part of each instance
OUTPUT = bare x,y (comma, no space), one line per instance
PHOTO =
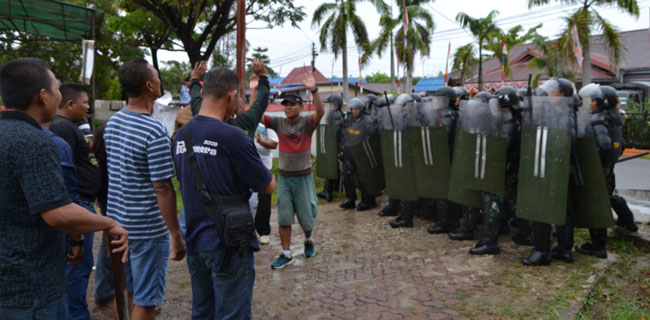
241,43
314,54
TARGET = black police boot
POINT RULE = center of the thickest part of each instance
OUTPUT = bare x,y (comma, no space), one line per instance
391,209
491,225
466,230
562,251
348,204
524,236
625,215
444,213
405,218
537,258
598,245
363,206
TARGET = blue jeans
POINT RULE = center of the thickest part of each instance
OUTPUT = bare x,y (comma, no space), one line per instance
181,221
104,291
53,310
78,275
216,295
146,270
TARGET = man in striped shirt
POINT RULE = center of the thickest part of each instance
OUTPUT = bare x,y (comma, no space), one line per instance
296,193
141,196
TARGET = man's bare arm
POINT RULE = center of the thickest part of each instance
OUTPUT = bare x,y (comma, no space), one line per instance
166,197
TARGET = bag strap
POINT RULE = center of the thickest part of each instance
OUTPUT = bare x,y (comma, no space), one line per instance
210,203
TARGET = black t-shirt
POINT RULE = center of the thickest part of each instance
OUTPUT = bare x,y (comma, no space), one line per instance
88,174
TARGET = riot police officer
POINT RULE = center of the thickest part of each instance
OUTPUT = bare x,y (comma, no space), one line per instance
357,127
393,206
447,213
337,103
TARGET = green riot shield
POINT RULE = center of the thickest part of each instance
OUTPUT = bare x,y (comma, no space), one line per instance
367,156
591,207
479,154
327,149
544,160
397,157
430,146
430,161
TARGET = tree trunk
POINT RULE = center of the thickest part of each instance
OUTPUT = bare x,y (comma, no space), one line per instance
154,59
409,81
586,63
345,70
393,85
480,66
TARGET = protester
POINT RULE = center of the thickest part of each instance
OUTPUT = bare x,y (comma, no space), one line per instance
266,140
296,192
72,110
34,204
141,196
229,166
184,92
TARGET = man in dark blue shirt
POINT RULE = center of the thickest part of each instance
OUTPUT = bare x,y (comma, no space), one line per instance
230,166
35,208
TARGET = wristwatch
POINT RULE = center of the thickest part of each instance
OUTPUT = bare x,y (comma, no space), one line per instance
314,91
77,243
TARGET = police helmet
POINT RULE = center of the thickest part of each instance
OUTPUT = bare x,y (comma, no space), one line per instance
403,99
508,97
522,94
336,101
370,98
356,103
592,92
483,96
449,93
380,103
566,87
610,96
549,88
416,97
462,93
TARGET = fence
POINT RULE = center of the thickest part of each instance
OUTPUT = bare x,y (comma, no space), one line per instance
637,130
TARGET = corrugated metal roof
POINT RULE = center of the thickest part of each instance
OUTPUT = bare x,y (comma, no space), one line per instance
429,84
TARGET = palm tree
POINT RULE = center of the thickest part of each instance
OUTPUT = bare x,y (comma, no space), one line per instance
555,60
481,28
512,38
333,30
464,62
384,40
587,19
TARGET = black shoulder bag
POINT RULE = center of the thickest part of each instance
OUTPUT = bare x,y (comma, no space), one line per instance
231,215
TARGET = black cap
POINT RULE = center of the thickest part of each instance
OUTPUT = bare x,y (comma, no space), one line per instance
291,97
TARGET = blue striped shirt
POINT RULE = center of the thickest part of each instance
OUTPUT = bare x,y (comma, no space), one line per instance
139,153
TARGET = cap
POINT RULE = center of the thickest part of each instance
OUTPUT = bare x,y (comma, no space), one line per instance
291,97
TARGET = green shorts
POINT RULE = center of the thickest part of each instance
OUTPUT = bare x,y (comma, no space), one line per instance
297,195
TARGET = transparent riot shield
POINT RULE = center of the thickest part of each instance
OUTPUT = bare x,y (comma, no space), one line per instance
544,162
362,140
430,146
589,201
327,146
479,160
396,152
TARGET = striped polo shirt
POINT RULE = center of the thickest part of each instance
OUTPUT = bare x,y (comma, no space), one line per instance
295,143
138,153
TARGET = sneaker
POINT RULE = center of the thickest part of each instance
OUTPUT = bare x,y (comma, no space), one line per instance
281,262
265,239
310,251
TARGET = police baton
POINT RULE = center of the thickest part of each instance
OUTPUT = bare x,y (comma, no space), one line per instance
390,114
638,155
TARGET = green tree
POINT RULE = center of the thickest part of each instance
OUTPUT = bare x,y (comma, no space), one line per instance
464,62
555,61
512,38
334,30
199,24
588,20
378,77
173,73
260,54
481,29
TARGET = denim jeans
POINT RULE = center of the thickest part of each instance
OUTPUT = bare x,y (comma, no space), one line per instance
146,270
53,310
104,291
217,295
181,221
77,276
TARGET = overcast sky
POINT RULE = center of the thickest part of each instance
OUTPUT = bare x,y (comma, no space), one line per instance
290,47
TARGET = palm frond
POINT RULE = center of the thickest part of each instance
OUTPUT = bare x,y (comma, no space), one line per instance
320,13
610,36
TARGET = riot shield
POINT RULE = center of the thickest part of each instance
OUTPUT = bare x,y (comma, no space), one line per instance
544,162
326,146
429,143
362,140
591,207
479,160
396,152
